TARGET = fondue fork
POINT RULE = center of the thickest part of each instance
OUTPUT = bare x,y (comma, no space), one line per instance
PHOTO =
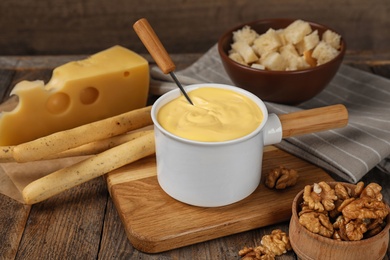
153,44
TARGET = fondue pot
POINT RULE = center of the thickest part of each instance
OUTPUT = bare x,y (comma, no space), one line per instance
211,174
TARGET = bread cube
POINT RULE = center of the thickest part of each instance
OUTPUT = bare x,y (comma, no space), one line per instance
289,49
280,33
293,60
307,55
295,32
274,61
332,38
267,42
245,51
324,52
246,34
237,58
308,42
258,66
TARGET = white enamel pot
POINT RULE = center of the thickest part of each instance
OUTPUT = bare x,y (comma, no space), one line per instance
212,174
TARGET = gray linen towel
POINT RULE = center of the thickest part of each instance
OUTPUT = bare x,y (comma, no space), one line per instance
348,152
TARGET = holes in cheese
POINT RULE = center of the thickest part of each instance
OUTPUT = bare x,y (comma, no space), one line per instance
89,95
108,83
58,103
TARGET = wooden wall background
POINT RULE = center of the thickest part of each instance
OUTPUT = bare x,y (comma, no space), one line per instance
52,27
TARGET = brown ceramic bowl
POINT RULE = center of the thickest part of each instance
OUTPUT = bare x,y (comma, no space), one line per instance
308,245
285,87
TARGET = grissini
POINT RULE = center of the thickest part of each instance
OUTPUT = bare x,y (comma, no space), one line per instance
88,169
100,145
6,154
43,147
84,150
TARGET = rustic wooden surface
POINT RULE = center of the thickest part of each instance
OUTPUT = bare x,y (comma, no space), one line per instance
83,222
31,27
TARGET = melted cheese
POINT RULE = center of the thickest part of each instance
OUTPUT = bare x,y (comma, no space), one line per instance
108,83
217,115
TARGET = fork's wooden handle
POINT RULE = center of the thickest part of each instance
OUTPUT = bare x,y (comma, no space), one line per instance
153,44
313,120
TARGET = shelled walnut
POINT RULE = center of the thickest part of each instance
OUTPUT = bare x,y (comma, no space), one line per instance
259,252
278,242
317,222
281,178
372,190
274,244
341,213
320,197
365,208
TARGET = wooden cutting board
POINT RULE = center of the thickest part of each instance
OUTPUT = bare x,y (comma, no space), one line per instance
155,222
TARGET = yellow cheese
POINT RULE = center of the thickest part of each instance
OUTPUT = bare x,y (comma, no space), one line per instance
217,115
108,83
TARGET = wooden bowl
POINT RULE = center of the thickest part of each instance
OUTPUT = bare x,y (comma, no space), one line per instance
308,245
285,87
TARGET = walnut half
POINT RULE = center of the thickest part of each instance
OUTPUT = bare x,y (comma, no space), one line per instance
275,244
281,178
258,253
317,222
319,197
365,208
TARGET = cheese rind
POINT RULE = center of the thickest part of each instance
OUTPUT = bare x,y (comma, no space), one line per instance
108,83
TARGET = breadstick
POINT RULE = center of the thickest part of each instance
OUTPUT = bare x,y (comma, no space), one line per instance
64,140
6,154
86,149
99,146
88,169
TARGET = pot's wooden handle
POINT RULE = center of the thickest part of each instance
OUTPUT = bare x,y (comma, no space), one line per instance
153,44
314,120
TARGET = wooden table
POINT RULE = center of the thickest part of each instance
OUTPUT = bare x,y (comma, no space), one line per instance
83,223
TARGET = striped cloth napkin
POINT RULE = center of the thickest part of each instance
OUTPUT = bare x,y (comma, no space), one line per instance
349,152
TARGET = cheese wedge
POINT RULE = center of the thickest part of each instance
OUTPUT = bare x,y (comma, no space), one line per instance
107,83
